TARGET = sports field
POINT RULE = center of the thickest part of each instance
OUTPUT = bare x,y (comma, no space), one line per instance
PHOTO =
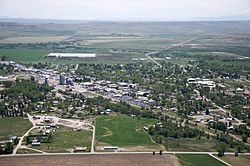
123,131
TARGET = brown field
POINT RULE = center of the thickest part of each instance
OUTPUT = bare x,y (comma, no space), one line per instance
34,39
92,160
237,161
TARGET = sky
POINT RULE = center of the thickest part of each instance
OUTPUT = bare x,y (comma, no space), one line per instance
127,10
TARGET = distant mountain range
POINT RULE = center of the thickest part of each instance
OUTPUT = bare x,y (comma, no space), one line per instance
68,21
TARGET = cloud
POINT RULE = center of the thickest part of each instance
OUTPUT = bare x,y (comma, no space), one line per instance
124,9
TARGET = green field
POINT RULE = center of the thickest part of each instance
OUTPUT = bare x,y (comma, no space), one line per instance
193,144
35,56
13,126
122,130
198,160
21,55
66,139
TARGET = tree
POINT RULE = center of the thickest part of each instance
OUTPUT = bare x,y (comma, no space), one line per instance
244,138
221,148
9,148
3,58
207,111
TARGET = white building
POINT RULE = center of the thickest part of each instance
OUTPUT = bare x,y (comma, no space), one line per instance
72,55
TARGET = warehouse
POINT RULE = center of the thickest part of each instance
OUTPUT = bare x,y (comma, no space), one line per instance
72,55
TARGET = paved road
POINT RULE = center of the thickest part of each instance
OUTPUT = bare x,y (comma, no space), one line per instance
112,153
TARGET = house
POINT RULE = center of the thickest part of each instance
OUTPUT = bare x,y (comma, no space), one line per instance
110,148
80,149
35,143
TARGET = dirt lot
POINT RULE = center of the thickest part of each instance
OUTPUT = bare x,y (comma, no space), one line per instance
92,160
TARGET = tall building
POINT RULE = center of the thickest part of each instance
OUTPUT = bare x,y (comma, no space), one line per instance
62,79
46,81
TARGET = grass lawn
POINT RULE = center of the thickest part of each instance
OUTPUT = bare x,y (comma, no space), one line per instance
23,55
122,130
237,161
13,126
198,160
66,139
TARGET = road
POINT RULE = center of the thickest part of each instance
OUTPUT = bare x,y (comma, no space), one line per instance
172,46
93,140
26,134
112,153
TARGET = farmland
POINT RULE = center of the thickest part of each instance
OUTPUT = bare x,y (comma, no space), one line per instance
125,41
93,160
21,55
197,160
14,126
122,131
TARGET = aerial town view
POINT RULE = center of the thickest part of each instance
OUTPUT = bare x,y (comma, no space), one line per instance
125,83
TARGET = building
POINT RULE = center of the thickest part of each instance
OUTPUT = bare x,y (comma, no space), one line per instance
110,148
61,79
71,55
46,81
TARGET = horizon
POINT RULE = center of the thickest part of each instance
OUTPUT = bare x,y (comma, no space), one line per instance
110,10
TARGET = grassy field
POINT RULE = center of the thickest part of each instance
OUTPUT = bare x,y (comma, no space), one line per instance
35,56
122,130
13,126
23,55
237,161
194,144
66,139
198,160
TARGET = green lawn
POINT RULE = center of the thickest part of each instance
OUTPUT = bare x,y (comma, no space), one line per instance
122,130
65,139
13,126
198,160
23,55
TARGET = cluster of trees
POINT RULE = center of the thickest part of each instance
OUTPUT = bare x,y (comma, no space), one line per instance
20,95
170,129
7,148
5,69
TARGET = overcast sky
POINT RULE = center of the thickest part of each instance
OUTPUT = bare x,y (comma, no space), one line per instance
157,10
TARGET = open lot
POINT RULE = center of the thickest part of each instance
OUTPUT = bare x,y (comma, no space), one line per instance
198,160
93,160
123,131
65,139
13,126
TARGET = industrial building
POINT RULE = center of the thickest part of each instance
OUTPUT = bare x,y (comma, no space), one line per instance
72,55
